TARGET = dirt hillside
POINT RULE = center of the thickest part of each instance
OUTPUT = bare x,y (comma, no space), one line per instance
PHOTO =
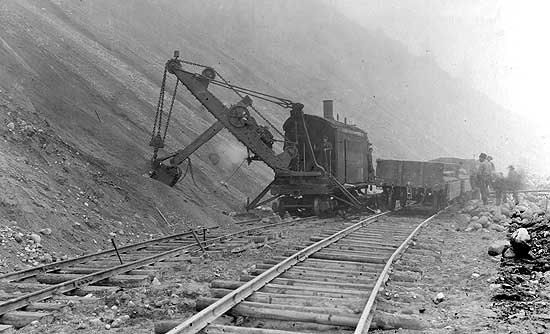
80,81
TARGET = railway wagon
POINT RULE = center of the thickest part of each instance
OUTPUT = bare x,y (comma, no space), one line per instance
327,149
464,169
431,182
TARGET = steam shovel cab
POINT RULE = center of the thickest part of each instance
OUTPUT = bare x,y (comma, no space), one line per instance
334,150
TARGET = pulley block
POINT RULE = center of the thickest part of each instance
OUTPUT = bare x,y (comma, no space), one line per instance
209,73
156,141
238,116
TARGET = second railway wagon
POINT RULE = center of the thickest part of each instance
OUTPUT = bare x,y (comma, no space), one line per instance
423,181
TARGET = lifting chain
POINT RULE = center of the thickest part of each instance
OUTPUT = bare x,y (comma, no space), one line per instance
158,137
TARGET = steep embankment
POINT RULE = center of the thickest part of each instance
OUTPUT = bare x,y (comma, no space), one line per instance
88,73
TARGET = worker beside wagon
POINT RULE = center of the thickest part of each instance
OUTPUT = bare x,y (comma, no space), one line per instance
500,185
514,182
484,177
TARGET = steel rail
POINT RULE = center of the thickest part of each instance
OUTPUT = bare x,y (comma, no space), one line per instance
368,311
17,275
19,302
202,319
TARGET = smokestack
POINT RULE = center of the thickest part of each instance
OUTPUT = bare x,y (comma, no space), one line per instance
327,109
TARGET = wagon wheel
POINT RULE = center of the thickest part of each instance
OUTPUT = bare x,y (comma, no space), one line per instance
238,116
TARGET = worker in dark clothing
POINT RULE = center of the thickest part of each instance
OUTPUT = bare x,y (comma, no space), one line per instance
484,177
500,184
326,147
514,182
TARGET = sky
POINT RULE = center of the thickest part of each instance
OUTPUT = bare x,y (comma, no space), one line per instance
501,48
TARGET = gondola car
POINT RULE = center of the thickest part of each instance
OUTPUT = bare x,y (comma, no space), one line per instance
434,182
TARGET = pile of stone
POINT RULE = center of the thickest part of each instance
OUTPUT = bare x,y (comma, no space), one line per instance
522,289
528,225
23,245
476,216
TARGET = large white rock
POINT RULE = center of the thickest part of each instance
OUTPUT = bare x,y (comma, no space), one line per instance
521,235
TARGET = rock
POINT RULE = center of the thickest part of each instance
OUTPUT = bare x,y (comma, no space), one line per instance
509,253
81,325
526,214
521,235
520,242
120,321
46,258
18,237
11,126
35,238
107,326
462,221
439,298
497,227
156,282
112,234
35,323
475,275
484,221
527,222
46,231
497,247
474,218
475,226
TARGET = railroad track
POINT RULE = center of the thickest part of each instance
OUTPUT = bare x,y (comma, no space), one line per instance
330,286
22,293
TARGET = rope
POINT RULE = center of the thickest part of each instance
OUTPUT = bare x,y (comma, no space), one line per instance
235,171
237,90
189,169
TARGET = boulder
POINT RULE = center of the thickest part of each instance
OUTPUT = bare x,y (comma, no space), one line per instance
526,214
527,222
35,238
46,231
475,226
520,242
497,247
509,253
497,227
462,221
439,298
484,221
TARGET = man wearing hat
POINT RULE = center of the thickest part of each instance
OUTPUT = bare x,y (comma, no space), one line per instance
484,177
